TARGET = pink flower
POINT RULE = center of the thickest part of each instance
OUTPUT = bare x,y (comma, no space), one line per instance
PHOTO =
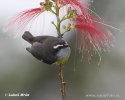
21,20
93,33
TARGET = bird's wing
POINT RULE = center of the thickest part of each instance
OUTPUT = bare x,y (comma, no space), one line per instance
41,50
40,39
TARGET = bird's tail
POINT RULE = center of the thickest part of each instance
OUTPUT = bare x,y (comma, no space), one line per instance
28,37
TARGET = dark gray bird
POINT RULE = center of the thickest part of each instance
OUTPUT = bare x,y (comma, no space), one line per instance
48,49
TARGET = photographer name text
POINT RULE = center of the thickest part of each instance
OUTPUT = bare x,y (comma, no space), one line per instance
17,94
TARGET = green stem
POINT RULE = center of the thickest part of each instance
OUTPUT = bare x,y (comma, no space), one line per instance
58,21
64,17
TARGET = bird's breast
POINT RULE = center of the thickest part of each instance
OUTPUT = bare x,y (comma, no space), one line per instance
63,55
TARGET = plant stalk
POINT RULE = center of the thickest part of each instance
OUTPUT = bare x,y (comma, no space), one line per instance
63,83
58,21
61,67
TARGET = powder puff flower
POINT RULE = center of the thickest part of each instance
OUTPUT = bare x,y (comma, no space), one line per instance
92,31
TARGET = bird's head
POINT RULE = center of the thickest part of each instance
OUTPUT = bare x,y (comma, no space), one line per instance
62,51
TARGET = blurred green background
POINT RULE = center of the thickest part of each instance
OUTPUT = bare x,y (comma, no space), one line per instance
21,73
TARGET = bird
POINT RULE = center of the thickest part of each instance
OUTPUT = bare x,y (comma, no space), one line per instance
48,49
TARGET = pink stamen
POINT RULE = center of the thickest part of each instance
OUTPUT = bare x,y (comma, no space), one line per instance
24,18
